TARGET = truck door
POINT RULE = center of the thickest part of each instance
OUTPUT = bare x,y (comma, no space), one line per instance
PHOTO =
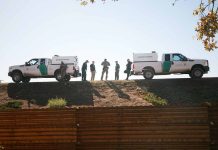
179,63
31,68
43,67
166,63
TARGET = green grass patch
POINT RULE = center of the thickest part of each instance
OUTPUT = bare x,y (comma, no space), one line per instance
3,107
57,103
155,100
14,104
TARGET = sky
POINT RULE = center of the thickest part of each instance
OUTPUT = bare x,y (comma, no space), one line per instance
112,30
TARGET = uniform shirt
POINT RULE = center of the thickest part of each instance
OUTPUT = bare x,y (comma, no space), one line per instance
128,66
92,67
84,67
117,67
105,64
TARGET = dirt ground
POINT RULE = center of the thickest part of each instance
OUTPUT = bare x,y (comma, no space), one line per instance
4,98
104,94
118,93
112,93
3,94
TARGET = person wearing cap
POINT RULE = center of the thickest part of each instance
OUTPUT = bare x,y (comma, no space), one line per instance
117,70
84,68
105,65
93,71
128,68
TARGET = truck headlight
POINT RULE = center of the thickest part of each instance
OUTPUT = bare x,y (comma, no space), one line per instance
206,63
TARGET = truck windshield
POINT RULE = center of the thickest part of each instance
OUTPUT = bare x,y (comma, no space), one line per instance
179,57
33,62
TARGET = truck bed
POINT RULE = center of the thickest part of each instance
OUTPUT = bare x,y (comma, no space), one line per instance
51,69
139,66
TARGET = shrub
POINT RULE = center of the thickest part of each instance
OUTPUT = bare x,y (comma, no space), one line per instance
3,107
155,100
57,103
14,104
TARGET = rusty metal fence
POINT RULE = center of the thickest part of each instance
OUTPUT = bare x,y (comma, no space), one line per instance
110,128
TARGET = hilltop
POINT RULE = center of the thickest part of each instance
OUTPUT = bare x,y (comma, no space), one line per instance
113,93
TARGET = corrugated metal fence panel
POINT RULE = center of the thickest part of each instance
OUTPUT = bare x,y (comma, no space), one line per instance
38,129
213,116
143,128
109,128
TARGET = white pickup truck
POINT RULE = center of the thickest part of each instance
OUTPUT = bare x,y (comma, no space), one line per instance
147,64
45,68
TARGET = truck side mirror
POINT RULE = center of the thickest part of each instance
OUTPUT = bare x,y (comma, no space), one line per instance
27,64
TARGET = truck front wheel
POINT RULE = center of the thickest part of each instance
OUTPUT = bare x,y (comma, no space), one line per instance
17,77
196,73
148,74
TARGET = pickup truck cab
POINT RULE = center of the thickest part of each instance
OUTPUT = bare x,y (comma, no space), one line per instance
147,64
44,68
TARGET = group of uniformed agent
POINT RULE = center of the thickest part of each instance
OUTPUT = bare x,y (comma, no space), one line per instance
105,69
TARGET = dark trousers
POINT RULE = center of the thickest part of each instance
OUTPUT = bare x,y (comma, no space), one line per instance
117,75
83,75
128,74
63,73
103,71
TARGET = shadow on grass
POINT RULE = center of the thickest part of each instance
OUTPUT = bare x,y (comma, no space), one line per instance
75,93
183,91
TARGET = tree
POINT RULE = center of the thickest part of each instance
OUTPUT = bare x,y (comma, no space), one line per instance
207,25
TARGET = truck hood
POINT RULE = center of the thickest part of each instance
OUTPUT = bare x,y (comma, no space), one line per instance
15,67
197,59
204,62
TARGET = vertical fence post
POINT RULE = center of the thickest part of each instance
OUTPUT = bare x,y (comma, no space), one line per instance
77,124
213,125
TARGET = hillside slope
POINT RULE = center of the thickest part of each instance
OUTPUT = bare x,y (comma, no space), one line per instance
115,93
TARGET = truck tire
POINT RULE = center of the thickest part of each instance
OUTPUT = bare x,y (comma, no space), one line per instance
67,77
58,75
17,77
196,73
76,73
148,74
26,79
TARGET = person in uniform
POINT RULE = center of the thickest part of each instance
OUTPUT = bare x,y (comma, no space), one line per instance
128,68
117,70
84,69
63,68
105,65
93,71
